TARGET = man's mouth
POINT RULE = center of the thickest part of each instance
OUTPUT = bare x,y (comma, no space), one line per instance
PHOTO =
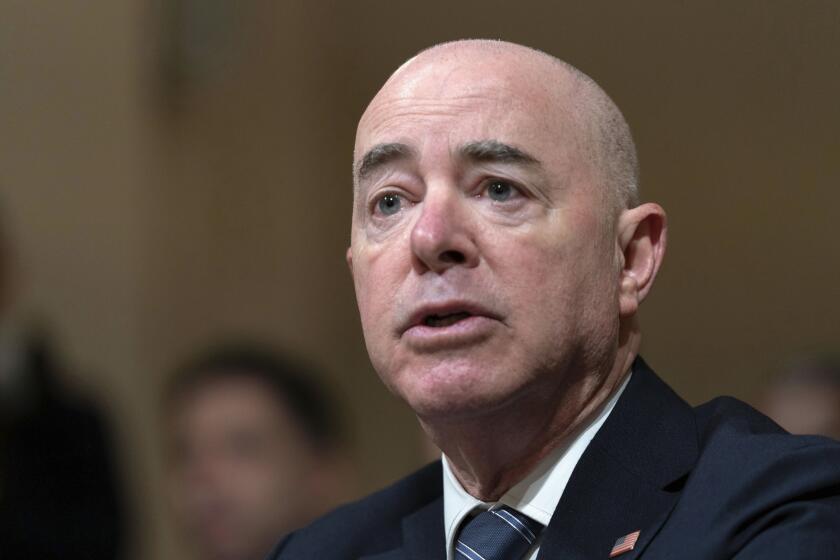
449,325
446,315
445,320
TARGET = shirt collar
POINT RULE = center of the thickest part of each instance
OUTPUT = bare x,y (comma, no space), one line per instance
538,494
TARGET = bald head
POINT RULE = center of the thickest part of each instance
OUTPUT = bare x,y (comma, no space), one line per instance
585,120
493,249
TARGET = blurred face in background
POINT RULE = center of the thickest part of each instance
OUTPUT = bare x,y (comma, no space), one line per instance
805,408
242,472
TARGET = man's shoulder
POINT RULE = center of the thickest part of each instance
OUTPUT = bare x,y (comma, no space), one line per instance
367,526
735,483
723,433
732,432
757,454
762,490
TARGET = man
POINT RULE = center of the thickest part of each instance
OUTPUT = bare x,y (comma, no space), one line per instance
60,494
255,451
804,398
499,253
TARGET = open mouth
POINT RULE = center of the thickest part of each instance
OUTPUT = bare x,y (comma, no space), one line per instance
449,325
445,320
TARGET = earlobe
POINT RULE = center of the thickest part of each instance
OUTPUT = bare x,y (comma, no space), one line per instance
628,296
349,257
642,240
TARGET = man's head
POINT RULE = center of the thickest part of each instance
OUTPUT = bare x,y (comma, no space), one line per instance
254,443
498,248
805,397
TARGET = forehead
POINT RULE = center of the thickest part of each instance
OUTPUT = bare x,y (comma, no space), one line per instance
461,101
226,399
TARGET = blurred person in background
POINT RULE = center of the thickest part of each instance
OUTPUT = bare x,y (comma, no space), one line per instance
59,496
256,450
805,397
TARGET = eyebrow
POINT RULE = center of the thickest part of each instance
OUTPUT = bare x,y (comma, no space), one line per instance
482,150
381,155
496,151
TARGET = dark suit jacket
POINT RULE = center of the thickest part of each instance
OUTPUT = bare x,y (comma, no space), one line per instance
59,494
718,481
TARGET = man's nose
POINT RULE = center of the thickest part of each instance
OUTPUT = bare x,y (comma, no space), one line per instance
444,234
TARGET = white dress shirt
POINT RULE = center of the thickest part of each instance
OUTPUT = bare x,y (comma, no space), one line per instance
537,495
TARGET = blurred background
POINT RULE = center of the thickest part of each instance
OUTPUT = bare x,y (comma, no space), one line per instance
176,173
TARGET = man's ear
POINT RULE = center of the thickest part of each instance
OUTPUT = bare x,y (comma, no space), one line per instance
349,257
641,241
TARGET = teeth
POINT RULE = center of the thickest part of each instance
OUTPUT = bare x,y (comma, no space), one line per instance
445,320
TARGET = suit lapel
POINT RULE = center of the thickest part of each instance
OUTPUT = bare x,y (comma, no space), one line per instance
423,536
423,533
630,476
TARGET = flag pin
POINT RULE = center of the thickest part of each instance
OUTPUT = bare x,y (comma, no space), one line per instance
624,544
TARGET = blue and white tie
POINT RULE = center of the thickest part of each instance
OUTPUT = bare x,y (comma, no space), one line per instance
501,533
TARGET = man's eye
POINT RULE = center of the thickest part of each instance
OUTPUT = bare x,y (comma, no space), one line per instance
501,191
389,204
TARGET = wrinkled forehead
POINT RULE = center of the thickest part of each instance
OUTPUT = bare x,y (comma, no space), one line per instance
466,99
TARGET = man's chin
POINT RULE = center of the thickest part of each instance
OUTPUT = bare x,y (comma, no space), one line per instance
456,384
454,403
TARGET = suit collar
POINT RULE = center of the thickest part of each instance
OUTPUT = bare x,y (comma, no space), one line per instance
423,533
630,476
652,431
422,536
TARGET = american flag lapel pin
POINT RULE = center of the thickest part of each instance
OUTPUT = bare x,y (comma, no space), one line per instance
624,544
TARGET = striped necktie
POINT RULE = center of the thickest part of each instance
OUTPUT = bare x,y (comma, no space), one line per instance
501,533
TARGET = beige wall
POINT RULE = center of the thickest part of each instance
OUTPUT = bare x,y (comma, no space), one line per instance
151,219
74,143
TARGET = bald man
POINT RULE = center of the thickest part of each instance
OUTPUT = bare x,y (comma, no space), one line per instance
500,253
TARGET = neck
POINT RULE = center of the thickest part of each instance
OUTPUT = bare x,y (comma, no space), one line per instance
490,453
